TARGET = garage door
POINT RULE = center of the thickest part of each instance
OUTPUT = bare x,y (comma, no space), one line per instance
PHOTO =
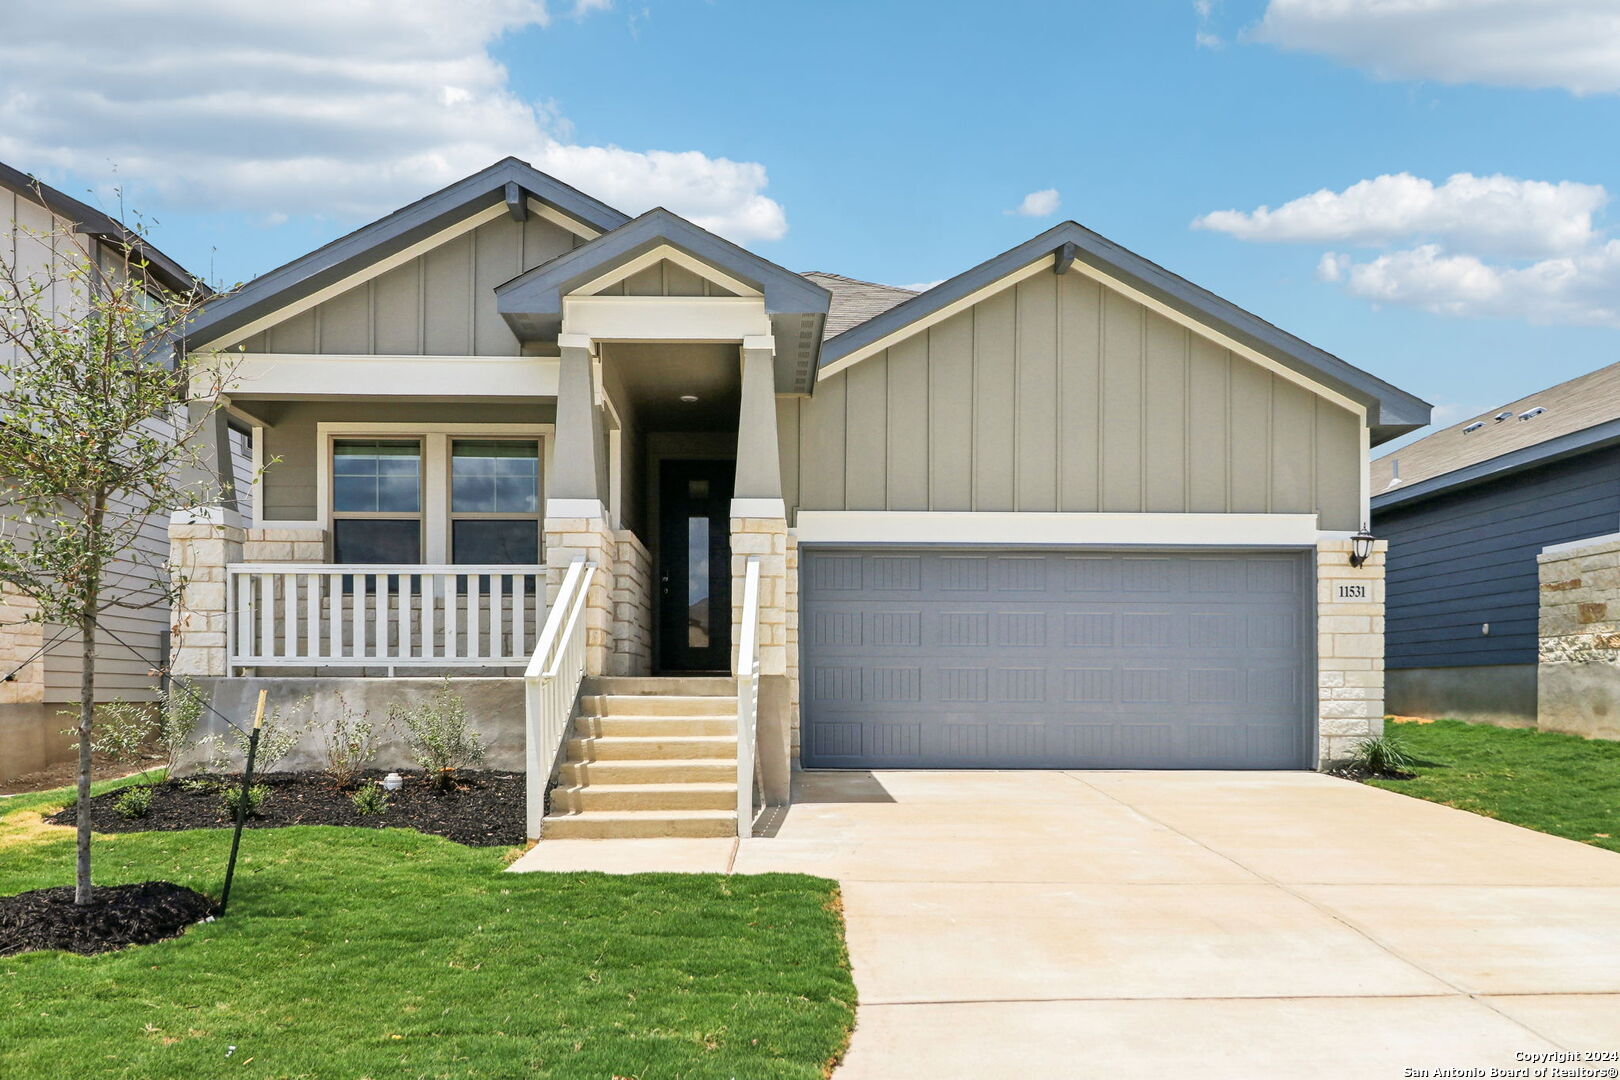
978,658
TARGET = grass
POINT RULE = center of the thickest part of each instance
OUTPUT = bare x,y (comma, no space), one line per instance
1559,784
370,953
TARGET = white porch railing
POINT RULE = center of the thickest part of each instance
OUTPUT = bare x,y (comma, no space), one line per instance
321,615
551,686
747,699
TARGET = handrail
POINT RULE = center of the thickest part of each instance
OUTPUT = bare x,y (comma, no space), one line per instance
551,685
747,698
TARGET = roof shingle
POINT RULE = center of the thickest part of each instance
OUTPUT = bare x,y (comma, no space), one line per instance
854,301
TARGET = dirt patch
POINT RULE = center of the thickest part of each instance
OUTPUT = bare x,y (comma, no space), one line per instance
482,809
1358,773
23,827
117,916
66,774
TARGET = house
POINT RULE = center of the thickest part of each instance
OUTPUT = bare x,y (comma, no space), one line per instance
683,518
1502,562
44,229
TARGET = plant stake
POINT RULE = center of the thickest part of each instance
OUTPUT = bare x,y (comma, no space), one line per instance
242,803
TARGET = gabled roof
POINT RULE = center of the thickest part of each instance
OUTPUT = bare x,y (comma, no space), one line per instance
1581,414
399,230
532,302
92,222
1390,411
855,301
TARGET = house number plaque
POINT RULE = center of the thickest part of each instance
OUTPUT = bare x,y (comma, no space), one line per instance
1351,591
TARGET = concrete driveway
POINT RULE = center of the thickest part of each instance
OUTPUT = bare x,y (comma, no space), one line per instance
1185,924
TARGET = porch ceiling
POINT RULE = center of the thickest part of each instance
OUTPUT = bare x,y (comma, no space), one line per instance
656,375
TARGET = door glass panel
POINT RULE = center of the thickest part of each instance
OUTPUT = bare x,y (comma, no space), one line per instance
697,582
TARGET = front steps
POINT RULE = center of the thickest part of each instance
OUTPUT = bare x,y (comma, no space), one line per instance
649,757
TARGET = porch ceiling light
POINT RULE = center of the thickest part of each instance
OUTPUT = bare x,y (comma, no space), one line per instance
1361,545
689,398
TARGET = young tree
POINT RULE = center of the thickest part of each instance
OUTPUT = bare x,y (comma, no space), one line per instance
100,429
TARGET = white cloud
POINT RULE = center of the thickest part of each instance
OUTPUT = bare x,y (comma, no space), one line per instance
1581,289
1497,214
312,107
921,286
1471,247
1204,37
1039,203
1568,44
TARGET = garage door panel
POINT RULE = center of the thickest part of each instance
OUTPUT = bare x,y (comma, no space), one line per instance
1072,660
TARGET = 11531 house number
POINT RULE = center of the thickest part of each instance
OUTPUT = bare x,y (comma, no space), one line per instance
1351,590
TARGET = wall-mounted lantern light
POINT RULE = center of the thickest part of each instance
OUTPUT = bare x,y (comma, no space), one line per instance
1361,546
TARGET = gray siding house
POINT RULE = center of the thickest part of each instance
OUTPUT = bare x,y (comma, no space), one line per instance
1477,518
40,229
679,519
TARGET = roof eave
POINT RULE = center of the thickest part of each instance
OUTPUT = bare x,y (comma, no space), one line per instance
1596,437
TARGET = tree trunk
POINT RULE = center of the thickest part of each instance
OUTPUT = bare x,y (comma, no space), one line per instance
87,712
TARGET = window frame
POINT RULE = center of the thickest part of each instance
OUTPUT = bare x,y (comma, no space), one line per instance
452,515
334,515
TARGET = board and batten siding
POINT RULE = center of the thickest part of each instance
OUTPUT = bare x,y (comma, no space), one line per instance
665,278
1059,394
1461,560
441,303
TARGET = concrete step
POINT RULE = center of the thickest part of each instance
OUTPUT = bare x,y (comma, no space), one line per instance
656,725
648,771
656,705
641,747
677,796
605,824
661,685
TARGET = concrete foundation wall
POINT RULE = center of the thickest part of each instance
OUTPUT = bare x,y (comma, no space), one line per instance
1578,678
31,737
494,710
1581,698
1501,694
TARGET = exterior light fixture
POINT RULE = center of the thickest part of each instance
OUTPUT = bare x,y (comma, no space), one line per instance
689,398
1361,545
392,782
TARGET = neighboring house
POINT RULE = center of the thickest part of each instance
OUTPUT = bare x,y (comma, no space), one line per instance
1468,512
1064,509
40,229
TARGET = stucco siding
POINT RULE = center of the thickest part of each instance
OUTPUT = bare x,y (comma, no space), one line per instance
1462,560
1057,394
441,303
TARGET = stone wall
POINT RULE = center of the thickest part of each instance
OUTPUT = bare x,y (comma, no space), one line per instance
1578,668
21,649
589,538
767,540
792,640
1349,649
284,545
632,607
200,547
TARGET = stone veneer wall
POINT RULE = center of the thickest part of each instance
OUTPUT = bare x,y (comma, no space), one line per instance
632,607
1349,651
20,643
1578,668
792,640
767,540
590,538
199,551
272,545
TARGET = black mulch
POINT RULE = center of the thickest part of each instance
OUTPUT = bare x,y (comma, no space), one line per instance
482,809
117,915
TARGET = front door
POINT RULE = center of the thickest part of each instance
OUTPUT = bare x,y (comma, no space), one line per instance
694,554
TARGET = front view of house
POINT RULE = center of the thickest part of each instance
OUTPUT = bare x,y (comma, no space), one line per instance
655,497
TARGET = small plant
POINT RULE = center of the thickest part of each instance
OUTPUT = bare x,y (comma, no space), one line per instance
177,726
440,739
276,741
231,799
370,799
1385,755
197,785
135,802
349,745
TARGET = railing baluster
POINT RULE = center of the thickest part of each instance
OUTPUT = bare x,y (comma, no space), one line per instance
452,602
403,649
267,615
312,615
473,650
359,622
381,601
518,605
497,617
334,616
244,616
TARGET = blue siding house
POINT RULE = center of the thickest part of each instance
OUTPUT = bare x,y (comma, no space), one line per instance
1466,511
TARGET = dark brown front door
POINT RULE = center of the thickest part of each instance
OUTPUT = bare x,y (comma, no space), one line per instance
694,554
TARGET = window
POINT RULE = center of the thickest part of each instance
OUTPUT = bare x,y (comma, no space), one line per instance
376,501
495,501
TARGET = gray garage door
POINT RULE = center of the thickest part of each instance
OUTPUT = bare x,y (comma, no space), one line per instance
988,658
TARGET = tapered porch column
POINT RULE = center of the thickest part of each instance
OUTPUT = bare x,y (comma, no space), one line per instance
202,542
576,512
759,530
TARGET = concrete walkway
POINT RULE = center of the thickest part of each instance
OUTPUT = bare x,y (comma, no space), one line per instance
1184,924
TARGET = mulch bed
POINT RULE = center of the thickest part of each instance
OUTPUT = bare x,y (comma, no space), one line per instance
117,915
483,809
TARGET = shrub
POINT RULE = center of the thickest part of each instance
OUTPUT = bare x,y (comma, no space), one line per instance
123,730
276,740
231,797
177,726
135,802
197,785
438,734
1385,755
370,799
349,745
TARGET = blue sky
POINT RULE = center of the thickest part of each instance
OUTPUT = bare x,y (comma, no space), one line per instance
892,141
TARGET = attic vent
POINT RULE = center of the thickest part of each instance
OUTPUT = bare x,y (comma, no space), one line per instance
1475,426
1505,414
1531,414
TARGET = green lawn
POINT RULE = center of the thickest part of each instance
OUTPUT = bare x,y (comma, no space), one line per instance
1558,784
354,953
